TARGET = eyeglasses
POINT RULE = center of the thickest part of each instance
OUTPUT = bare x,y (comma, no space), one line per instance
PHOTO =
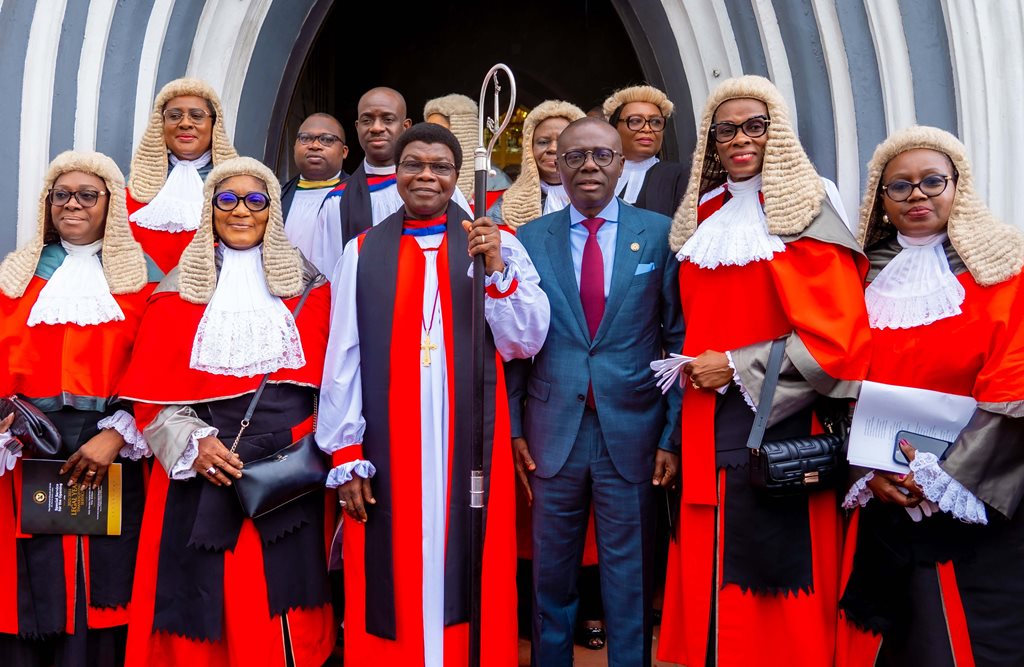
753,127
228,201
175,116
602,157
930,186
637,123
326,140
85,198
414,167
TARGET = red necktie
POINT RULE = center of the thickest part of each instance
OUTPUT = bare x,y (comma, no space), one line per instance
592,277
592,285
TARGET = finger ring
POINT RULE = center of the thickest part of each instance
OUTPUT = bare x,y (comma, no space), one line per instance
211,471
91,472
342,503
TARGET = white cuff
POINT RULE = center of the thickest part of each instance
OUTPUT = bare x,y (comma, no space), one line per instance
182,470
503,281
135,445
859,494
739,383
8,456
950,495
344,472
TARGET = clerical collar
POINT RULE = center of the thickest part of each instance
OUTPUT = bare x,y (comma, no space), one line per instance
378,171
413,227
303,184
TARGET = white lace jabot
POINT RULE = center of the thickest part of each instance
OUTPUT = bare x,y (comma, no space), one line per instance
916,288
77,292
735,234
179,204
555,199
245,329
632,179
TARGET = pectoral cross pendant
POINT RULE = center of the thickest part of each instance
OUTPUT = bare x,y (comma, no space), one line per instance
427,346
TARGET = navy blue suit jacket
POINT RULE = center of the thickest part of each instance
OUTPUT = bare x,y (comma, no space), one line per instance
642,318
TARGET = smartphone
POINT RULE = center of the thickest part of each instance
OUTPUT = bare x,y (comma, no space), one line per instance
921,443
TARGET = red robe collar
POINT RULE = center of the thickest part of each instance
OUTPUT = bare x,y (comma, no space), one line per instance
160,373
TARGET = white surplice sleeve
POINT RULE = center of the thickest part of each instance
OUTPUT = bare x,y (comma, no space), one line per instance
327,238
340,423
516,307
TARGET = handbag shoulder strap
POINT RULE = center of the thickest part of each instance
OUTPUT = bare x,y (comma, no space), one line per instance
764,404
263,382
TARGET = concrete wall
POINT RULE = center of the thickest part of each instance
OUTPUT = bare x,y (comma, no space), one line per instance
82,74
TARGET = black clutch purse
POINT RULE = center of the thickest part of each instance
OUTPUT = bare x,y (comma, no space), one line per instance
794,465
286,475
275,480
31,427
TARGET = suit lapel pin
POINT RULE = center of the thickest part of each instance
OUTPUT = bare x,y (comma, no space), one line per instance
635,246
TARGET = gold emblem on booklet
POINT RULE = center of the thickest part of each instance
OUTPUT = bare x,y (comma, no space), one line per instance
51,507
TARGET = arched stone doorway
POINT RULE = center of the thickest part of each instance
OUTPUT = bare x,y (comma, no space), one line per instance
578,50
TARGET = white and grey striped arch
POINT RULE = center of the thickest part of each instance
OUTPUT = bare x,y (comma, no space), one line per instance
82,74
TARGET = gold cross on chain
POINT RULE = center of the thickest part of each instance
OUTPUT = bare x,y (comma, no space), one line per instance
427,346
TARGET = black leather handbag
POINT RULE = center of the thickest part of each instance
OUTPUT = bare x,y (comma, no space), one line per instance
286,475
794,465
31,427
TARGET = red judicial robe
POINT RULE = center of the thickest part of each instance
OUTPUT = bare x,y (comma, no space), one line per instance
814,290
59,366
164,247
978,353
400,471
160,375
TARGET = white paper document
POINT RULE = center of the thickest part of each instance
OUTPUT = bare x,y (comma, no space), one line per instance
883,410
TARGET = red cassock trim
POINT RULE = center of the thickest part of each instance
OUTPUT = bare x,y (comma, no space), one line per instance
165,342
347,455
499,595
164,248
493,291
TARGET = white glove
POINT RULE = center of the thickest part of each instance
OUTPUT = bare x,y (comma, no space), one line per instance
922,511
10,452
668,369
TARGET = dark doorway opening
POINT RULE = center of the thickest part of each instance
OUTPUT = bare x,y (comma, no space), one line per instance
575,50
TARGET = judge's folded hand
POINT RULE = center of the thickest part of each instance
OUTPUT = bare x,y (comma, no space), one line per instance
485,239
710,370
890,487
90,463
524,463
666,467
354,495
217,463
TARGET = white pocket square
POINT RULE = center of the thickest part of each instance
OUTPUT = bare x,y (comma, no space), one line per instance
644,268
